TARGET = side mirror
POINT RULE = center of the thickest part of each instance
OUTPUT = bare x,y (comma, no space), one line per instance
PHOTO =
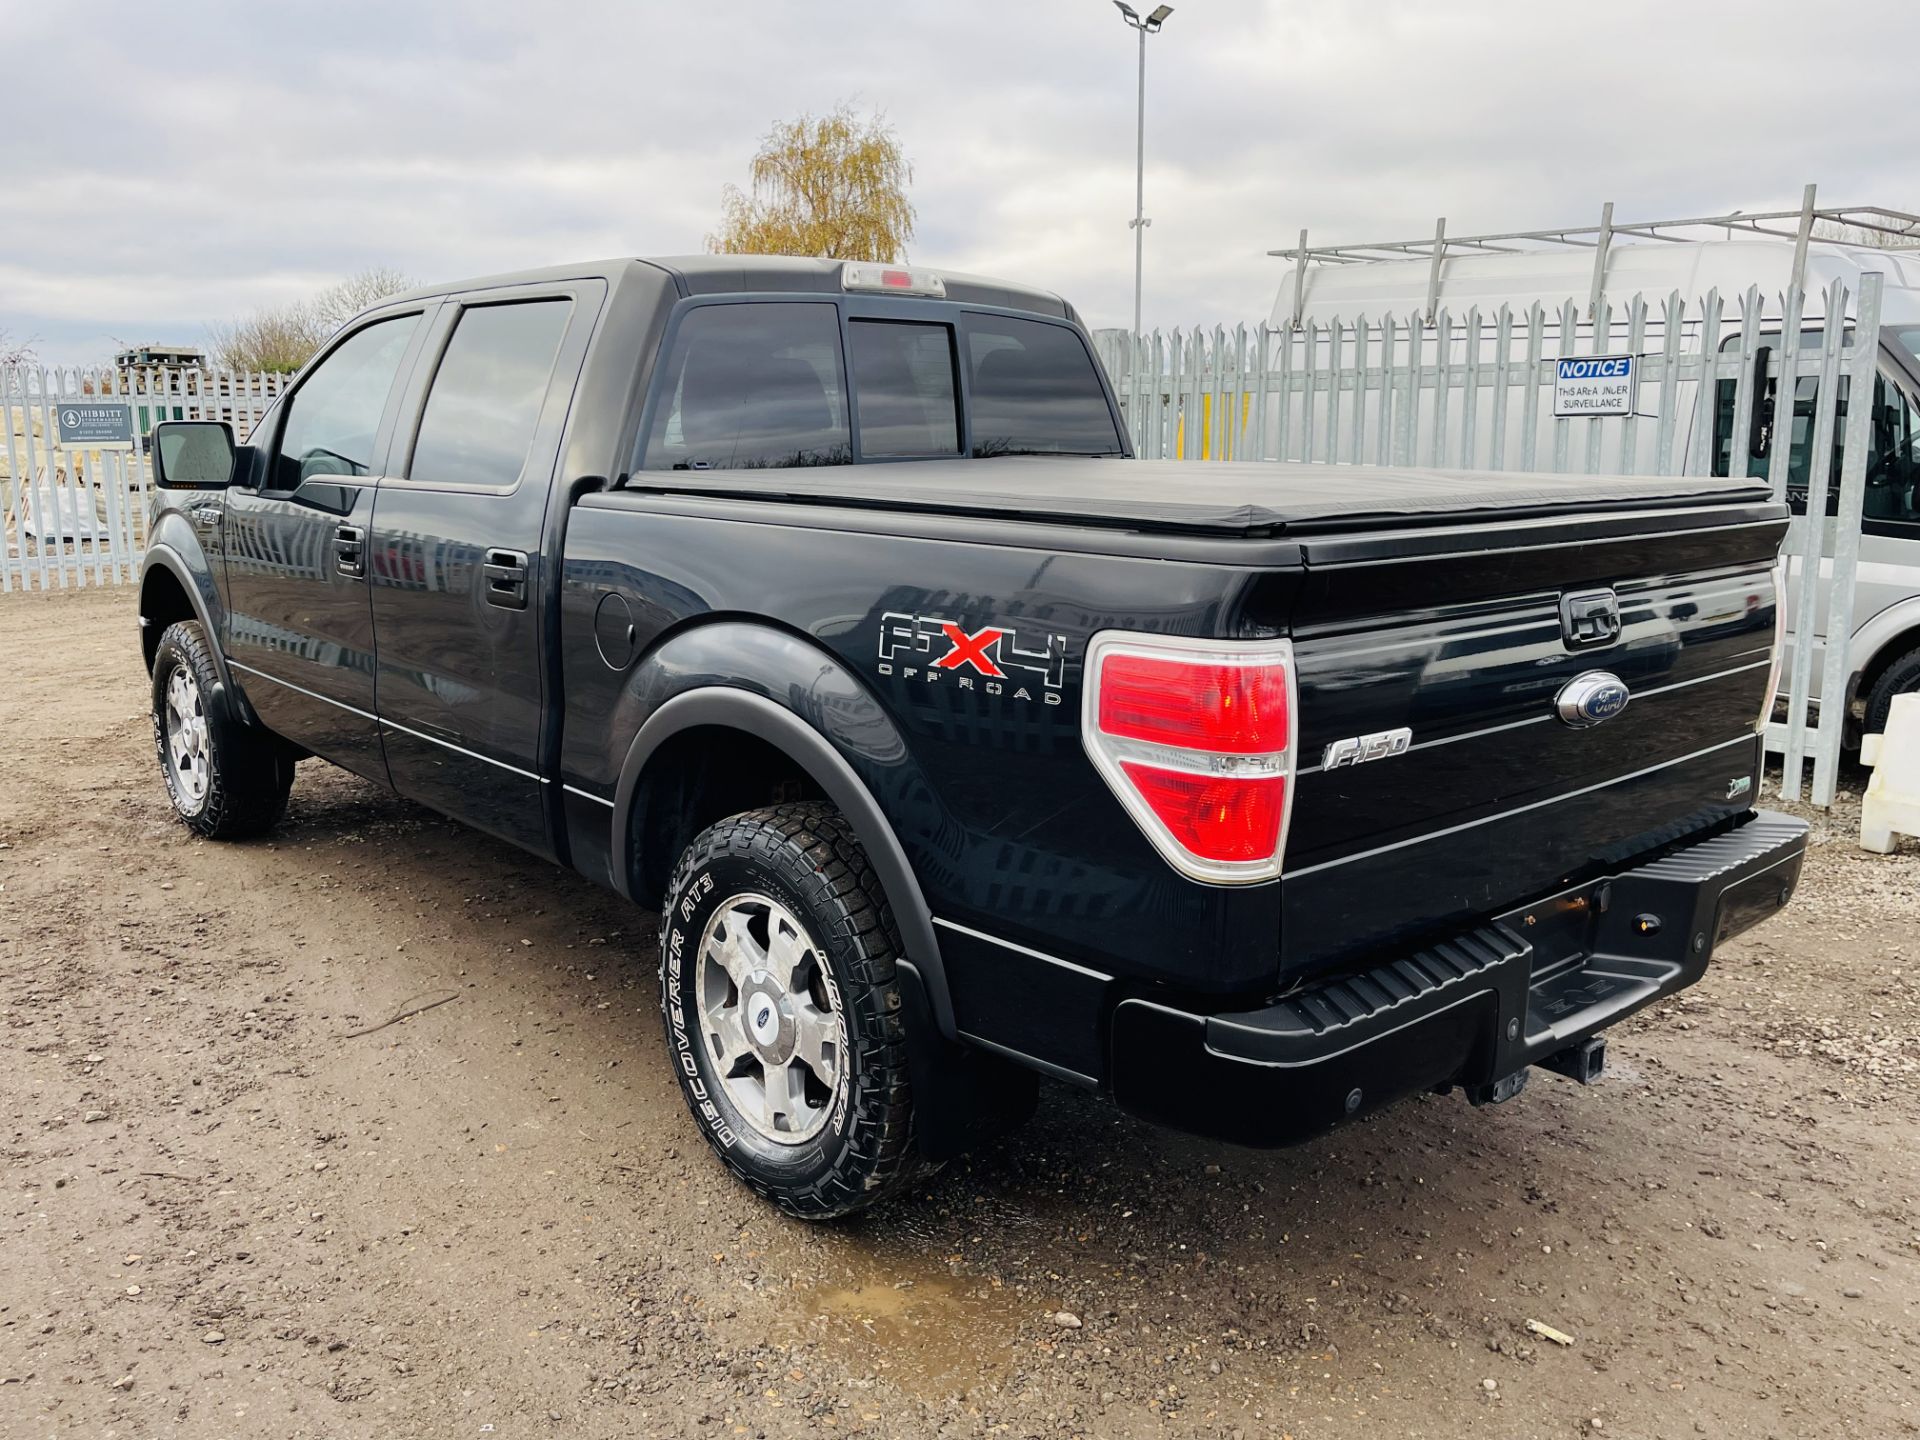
193,455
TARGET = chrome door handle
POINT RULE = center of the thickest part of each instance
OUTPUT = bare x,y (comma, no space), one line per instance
350,550
506,579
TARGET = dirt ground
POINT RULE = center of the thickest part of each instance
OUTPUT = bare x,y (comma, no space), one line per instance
224,1213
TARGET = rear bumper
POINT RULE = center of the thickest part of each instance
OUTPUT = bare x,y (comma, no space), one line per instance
1470,1011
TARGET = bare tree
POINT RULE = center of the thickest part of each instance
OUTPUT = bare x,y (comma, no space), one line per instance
15,352
337,304
284,337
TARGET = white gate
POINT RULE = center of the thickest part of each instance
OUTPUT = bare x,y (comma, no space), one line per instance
75,516
1475,392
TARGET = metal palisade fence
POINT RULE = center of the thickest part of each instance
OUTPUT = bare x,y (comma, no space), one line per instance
74,513
1477,391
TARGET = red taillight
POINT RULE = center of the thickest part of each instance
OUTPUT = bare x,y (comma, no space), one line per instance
1233,821
1230,709
1194,737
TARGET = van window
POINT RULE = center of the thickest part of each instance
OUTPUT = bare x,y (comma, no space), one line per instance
1891,504
752,385
333,417
903,388
487,394
1033,390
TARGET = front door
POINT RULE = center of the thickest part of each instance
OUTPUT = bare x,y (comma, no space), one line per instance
299,626
455,565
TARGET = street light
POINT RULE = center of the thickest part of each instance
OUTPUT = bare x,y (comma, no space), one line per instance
1149,26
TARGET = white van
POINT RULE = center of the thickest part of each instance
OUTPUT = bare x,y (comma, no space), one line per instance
1884,648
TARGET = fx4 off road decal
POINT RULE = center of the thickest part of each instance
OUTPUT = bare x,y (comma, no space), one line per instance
995,659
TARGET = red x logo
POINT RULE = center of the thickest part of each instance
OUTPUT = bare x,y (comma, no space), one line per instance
970,650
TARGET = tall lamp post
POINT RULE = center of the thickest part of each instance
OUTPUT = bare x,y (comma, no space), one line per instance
1149,25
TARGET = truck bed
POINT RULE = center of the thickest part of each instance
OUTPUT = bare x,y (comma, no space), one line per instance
1199,497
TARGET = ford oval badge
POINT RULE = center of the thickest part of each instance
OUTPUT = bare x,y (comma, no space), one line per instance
1590,698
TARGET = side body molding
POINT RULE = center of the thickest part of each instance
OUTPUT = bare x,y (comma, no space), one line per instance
729,705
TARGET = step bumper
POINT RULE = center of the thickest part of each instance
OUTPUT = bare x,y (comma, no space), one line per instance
1469,1011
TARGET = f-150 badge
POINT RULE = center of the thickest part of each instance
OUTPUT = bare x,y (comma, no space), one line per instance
1359,749
996,658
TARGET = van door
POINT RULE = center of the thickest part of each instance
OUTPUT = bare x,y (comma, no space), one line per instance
459,583
299,632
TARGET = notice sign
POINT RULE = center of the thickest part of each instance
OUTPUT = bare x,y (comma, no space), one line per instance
1593,385
93,426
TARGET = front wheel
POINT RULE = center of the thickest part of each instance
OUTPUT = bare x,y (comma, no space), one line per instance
783,1012
1902,677
226,780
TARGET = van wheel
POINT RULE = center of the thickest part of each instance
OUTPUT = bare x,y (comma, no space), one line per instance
783,1013
1902,677
226,780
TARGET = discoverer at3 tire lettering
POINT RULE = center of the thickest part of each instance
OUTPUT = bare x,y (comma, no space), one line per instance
782,1011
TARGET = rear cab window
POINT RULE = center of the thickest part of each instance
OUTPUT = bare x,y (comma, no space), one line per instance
782,383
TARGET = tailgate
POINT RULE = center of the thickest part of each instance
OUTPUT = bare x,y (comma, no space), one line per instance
1459,636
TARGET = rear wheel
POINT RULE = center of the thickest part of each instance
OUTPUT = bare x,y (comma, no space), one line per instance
1902,677
783,1010
226,780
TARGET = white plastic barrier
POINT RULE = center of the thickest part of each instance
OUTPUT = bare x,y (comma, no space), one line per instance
1892,802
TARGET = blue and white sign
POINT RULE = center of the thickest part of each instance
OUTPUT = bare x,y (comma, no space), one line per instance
1593,385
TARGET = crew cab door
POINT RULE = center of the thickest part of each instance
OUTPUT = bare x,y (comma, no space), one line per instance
459,582
299,630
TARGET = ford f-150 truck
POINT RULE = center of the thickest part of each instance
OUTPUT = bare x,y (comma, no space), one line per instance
822,606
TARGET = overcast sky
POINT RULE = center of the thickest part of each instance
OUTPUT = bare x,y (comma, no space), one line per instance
168,166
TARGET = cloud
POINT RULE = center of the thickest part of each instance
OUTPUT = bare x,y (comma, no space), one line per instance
170,166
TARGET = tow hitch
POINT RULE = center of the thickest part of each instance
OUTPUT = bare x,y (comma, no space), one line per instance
1584,1062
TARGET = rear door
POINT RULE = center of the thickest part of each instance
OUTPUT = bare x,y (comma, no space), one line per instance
459,583
299,630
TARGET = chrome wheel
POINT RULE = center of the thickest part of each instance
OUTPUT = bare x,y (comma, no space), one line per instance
189,758
771,1019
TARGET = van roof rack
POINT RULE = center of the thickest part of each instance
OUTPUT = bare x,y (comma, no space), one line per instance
1795,225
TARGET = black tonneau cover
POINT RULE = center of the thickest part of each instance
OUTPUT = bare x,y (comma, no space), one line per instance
1199,496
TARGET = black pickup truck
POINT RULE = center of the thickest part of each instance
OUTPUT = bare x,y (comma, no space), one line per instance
823,607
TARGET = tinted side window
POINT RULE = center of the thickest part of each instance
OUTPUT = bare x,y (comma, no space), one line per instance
1033,388
1892,505
903,388
752,385
1893,457
480,417
334,415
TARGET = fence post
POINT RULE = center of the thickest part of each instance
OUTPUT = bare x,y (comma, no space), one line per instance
1812,533
1442,387
1674,318
1636,346
1359,438
1602,343
1530,405
1336,332
1861,361
1409,416
1700,441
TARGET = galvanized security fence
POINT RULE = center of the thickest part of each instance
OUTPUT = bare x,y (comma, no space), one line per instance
76,514
1476,392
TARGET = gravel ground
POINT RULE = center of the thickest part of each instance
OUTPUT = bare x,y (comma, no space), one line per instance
224,1213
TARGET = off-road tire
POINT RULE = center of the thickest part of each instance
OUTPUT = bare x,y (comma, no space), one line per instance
1902,677
248,771
806,857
